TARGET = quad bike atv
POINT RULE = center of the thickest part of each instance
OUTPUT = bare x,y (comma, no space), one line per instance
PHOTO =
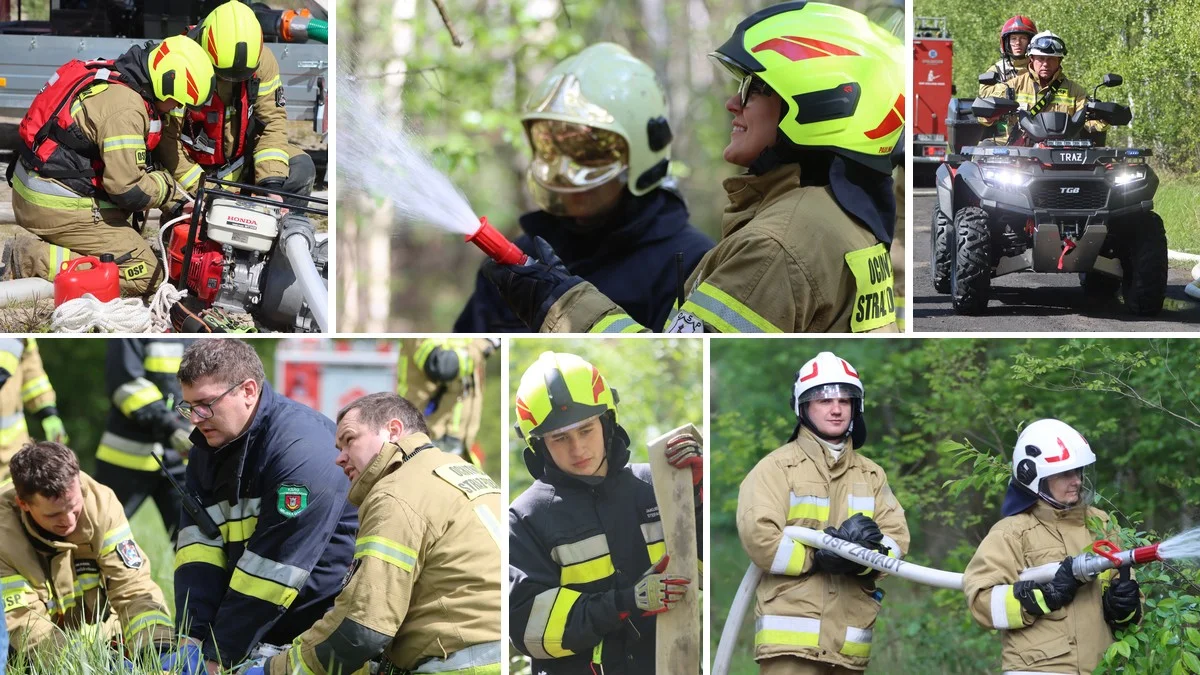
1049,202
240,252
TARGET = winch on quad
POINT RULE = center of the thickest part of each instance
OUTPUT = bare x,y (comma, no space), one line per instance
244,252
1050,201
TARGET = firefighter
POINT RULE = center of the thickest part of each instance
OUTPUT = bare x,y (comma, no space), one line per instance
597,125
69,558
1014,41
1062,625
1043,87
444,377
24,388
423,594
241,134
262,467
806,232
815,610
84,169
582,534
139,375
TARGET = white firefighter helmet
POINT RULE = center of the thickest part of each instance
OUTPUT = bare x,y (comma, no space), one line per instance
827,376
1046,43
1047,448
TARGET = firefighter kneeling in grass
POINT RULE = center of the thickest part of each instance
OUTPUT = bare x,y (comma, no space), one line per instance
69,559
84,171
423,594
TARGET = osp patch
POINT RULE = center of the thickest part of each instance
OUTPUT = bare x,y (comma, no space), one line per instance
293,499
130,555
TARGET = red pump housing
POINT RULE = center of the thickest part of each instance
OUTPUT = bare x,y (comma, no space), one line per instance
207,268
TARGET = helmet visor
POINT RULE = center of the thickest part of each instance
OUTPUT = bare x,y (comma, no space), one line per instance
832,390
1067,490
1048,45
575,157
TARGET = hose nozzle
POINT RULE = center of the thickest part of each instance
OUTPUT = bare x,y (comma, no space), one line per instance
495,245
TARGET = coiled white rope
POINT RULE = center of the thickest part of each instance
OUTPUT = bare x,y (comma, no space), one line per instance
83,314
160,306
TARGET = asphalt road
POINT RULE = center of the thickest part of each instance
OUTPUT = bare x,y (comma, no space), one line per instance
1028,302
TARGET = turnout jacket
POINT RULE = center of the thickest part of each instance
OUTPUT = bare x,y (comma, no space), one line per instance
1071,639
443,378
424,589
814,615
268,122
27,390
790,259
140,376
286,532
574,549
1068,97
97,574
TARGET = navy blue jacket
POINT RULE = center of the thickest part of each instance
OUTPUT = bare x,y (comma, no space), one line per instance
287,532
631,260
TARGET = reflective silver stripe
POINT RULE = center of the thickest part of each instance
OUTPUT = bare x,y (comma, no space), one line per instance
12,420
264,568
535,628
864,505
653,532
783,555
619,325
120,534
155,126
14,347
999,607
580,551
859,635
228,511
41,185
139,387
228,171
13,585
489,522
795,624
160,349
797,500
893,547
484,654
724,312
192,535
128,445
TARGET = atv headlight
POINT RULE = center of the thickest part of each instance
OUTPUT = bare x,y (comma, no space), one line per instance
1004,178
1128,176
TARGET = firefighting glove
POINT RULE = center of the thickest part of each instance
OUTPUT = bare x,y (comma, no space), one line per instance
858,529
684,451
188,660
52,425
447,365
1040,598
655,592
1122,601
531,289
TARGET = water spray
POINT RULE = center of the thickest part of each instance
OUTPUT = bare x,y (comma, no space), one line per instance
1104,555
495,245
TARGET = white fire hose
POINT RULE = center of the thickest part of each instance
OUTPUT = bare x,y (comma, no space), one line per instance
1086,566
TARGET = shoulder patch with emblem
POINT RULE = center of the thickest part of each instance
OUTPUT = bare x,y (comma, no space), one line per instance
280,99
130,555
140,156
471,481
293,499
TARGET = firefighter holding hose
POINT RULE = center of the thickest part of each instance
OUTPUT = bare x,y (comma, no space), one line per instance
815,610
1062,625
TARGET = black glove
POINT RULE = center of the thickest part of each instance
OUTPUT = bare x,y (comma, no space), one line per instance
857,529
1040,598
4,375
1122,601
532,288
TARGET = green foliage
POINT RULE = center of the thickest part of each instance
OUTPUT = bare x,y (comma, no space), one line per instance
659,381
942,417
1153,44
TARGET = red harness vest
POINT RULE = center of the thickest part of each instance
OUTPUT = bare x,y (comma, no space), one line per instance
53,144
203,134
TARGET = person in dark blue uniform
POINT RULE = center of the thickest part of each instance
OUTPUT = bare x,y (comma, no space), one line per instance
601,149
263,469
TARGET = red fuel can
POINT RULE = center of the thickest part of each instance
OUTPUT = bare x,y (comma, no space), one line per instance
99,276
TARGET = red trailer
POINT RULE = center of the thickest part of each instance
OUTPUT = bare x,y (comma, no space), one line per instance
933,89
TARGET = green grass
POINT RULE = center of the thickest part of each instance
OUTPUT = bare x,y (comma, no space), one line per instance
151,535
1176,202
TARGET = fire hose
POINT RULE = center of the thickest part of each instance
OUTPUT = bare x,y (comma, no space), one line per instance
1104,556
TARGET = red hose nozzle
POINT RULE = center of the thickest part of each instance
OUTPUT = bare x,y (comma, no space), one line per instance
495,245
1145,554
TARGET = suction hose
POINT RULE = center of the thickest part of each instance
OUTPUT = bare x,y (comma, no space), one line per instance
1086,566
20,290
296,247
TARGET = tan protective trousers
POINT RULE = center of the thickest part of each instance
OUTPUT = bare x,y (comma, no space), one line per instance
793,665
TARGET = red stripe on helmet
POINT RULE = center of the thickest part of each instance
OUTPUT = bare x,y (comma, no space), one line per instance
810,375
893,121
799,49
192,89
523,413
159,53
597,385
1066,453
848,369
212,43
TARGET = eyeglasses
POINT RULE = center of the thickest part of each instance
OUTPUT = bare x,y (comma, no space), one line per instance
202,410
749,86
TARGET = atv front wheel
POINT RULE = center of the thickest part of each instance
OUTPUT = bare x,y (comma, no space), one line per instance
971,273
1099,285
1144,284
941,257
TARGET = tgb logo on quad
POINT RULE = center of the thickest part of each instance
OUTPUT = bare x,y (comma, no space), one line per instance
1068,191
